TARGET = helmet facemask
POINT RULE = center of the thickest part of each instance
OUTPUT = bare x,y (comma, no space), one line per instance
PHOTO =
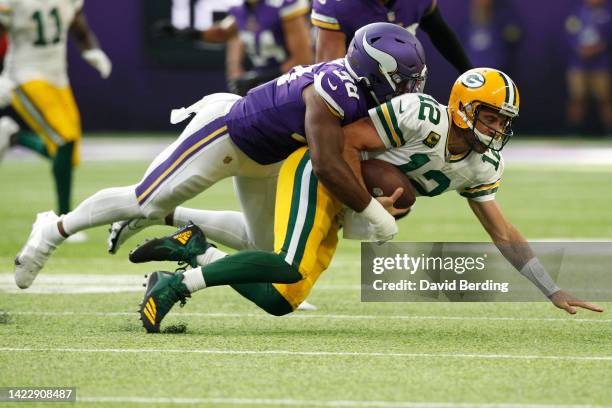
412,84
500,137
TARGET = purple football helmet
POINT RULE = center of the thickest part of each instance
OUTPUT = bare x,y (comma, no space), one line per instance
387,60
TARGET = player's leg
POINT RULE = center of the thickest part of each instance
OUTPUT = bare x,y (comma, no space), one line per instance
305,240
52,113
577,89
184,169
257,198
601,88
255,187
187,167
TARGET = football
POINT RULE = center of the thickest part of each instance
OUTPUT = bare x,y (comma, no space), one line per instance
382,178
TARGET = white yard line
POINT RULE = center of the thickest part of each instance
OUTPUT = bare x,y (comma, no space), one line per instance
320,403
307,353
308,315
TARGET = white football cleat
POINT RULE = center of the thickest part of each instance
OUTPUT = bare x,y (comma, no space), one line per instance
306,307
32,257
121,231
8,127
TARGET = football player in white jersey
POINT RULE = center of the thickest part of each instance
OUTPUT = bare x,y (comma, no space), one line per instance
457,148
35,82
442,148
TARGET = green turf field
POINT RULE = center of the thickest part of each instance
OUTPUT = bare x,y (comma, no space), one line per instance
346,353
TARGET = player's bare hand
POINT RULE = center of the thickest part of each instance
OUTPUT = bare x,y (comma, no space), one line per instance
567,302
388,203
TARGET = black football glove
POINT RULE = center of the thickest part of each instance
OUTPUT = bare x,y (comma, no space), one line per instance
165,29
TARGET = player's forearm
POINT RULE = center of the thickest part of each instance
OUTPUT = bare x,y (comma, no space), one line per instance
330,45
337,176
85,40
352,156
216,34
300,56
512,245
233,59
515,248
84,37
445,40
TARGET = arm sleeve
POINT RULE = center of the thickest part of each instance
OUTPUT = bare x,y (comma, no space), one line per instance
445,40
294,8
324,16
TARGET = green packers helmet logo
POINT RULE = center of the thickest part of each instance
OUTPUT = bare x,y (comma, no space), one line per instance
473,80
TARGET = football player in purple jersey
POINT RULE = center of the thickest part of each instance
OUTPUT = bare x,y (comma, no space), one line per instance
338,20
248,138
589,37
274,35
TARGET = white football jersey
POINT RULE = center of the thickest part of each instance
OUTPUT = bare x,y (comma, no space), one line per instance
415,129
38,31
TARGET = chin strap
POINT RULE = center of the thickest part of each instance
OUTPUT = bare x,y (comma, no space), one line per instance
482,138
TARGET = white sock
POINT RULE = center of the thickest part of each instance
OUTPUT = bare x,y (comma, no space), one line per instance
225,227
212,254
52,235
194,280
104,207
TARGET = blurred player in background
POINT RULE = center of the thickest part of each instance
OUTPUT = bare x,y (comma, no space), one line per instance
35,82
454,148
274,35
589,34
492,35
337,21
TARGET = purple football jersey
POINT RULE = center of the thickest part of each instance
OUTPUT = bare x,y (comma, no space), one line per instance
587,27
350,15
490,43
260,27
268,123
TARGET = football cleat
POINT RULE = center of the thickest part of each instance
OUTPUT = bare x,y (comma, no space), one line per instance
182,246
32,257
8,127
121,231
306,307
163,291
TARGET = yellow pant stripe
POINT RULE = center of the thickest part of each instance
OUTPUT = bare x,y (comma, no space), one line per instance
35,119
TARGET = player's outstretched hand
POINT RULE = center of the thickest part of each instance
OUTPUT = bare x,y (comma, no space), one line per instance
567,302
388,203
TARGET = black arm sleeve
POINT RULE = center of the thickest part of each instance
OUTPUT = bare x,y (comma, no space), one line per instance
445,40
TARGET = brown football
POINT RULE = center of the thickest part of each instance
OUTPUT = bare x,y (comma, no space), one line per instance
382,178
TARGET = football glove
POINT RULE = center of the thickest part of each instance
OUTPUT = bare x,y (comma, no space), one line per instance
165,29
99,60
250,80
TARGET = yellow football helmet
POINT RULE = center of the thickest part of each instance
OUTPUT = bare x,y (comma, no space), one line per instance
487,87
